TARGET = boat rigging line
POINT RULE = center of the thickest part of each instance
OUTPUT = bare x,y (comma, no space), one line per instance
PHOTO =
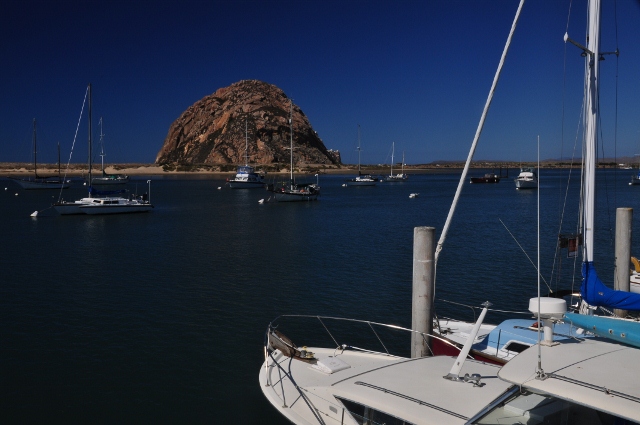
35,213
527,255
75,137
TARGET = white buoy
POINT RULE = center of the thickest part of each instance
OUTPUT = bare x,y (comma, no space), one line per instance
16,193
6,188
219,187
34,214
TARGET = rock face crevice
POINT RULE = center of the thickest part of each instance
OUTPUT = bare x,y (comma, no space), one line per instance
212,130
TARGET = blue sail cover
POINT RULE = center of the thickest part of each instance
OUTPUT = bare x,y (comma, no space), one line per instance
595,293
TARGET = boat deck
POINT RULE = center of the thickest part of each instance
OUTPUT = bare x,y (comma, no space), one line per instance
369,381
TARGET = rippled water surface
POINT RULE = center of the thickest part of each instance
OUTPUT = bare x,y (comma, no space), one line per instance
159,317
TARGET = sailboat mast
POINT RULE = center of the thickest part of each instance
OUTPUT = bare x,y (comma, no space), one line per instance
358,149
403,163
393,149
291,135
591,122
35,151
101,147
90,144
246,143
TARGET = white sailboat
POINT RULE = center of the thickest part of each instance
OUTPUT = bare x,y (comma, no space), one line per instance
588,381
246,176
110,180
292,191
102,202
362,179
400,177
38,182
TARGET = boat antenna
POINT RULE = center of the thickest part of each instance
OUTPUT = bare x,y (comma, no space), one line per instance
463,177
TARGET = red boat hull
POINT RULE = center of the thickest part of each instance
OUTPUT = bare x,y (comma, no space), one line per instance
445,347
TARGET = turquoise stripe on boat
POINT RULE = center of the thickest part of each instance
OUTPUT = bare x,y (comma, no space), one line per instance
624,331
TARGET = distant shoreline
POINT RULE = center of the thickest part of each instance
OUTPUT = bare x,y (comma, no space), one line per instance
21,169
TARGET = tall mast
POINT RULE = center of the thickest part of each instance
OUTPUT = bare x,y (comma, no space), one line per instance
291,135
90,144
246,143
358,149
35,151
393,149
101,147
591,122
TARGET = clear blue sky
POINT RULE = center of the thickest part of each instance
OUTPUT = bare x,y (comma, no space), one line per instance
416,73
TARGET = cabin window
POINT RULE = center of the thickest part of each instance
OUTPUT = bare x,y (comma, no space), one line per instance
531,408
365,415
514,346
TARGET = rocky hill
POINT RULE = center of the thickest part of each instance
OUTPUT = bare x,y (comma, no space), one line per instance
212,130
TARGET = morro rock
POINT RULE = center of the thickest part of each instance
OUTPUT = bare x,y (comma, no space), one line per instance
212,130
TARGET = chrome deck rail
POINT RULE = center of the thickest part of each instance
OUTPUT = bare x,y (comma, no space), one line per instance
370,324
285,371
283,365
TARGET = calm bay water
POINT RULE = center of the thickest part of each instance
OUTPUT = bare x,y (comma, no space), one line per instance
159,318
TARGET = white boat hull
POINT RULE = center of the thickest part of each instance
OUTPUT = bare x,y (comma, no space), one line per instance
362,182
94,206
634,283
396,178
67,208
522,184
115,209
